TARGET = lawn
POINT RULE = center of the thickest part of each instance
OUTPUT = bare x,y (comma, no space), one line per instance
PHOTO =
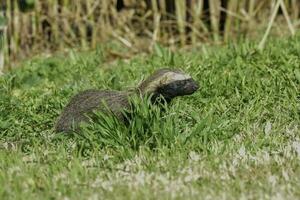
238,137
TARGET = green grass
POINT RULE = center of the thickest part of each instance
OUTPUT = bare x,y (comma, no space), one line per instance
238,137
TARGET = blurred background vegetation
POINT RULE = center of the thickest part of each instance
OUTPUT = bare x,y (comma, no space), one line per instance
28,27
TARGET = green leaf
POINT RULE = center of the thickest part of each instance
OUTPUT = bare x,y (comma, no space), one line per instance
2,21
158,50
297,74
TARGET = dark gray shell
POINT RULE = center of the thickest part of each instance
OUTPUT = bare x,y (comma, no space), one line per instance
86,102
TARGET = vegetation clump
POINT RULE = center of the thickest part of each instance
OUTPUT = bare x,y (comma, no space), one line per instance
238,137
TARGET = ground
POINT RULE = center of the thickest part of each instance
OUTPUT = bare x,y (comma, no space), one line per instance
238,137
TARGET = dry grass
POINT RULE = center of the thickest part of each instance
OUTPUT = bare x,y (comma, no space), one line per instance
57,24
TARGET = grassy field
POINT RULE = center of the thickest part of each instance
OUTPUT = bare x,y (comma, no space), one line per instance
238,137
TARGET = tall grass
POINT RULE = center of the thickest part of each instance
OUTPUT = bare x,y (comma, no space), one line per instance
58,24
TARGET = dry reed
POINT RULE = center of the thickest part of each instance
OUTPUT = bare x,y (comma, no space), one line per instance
58,24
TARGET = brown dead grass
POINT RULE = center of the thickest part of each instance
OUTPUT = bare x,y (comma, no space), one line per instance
57,24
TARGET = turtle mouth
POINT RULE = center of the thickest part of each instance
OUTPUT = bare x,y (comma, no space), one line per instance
179,88
191,86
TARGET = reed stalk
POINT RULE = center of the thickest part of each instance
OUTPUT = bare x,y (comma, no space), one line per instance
295,9
231,8
181,18
274,13
287,17
156,20
2,42
58,24
196,10
215,18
